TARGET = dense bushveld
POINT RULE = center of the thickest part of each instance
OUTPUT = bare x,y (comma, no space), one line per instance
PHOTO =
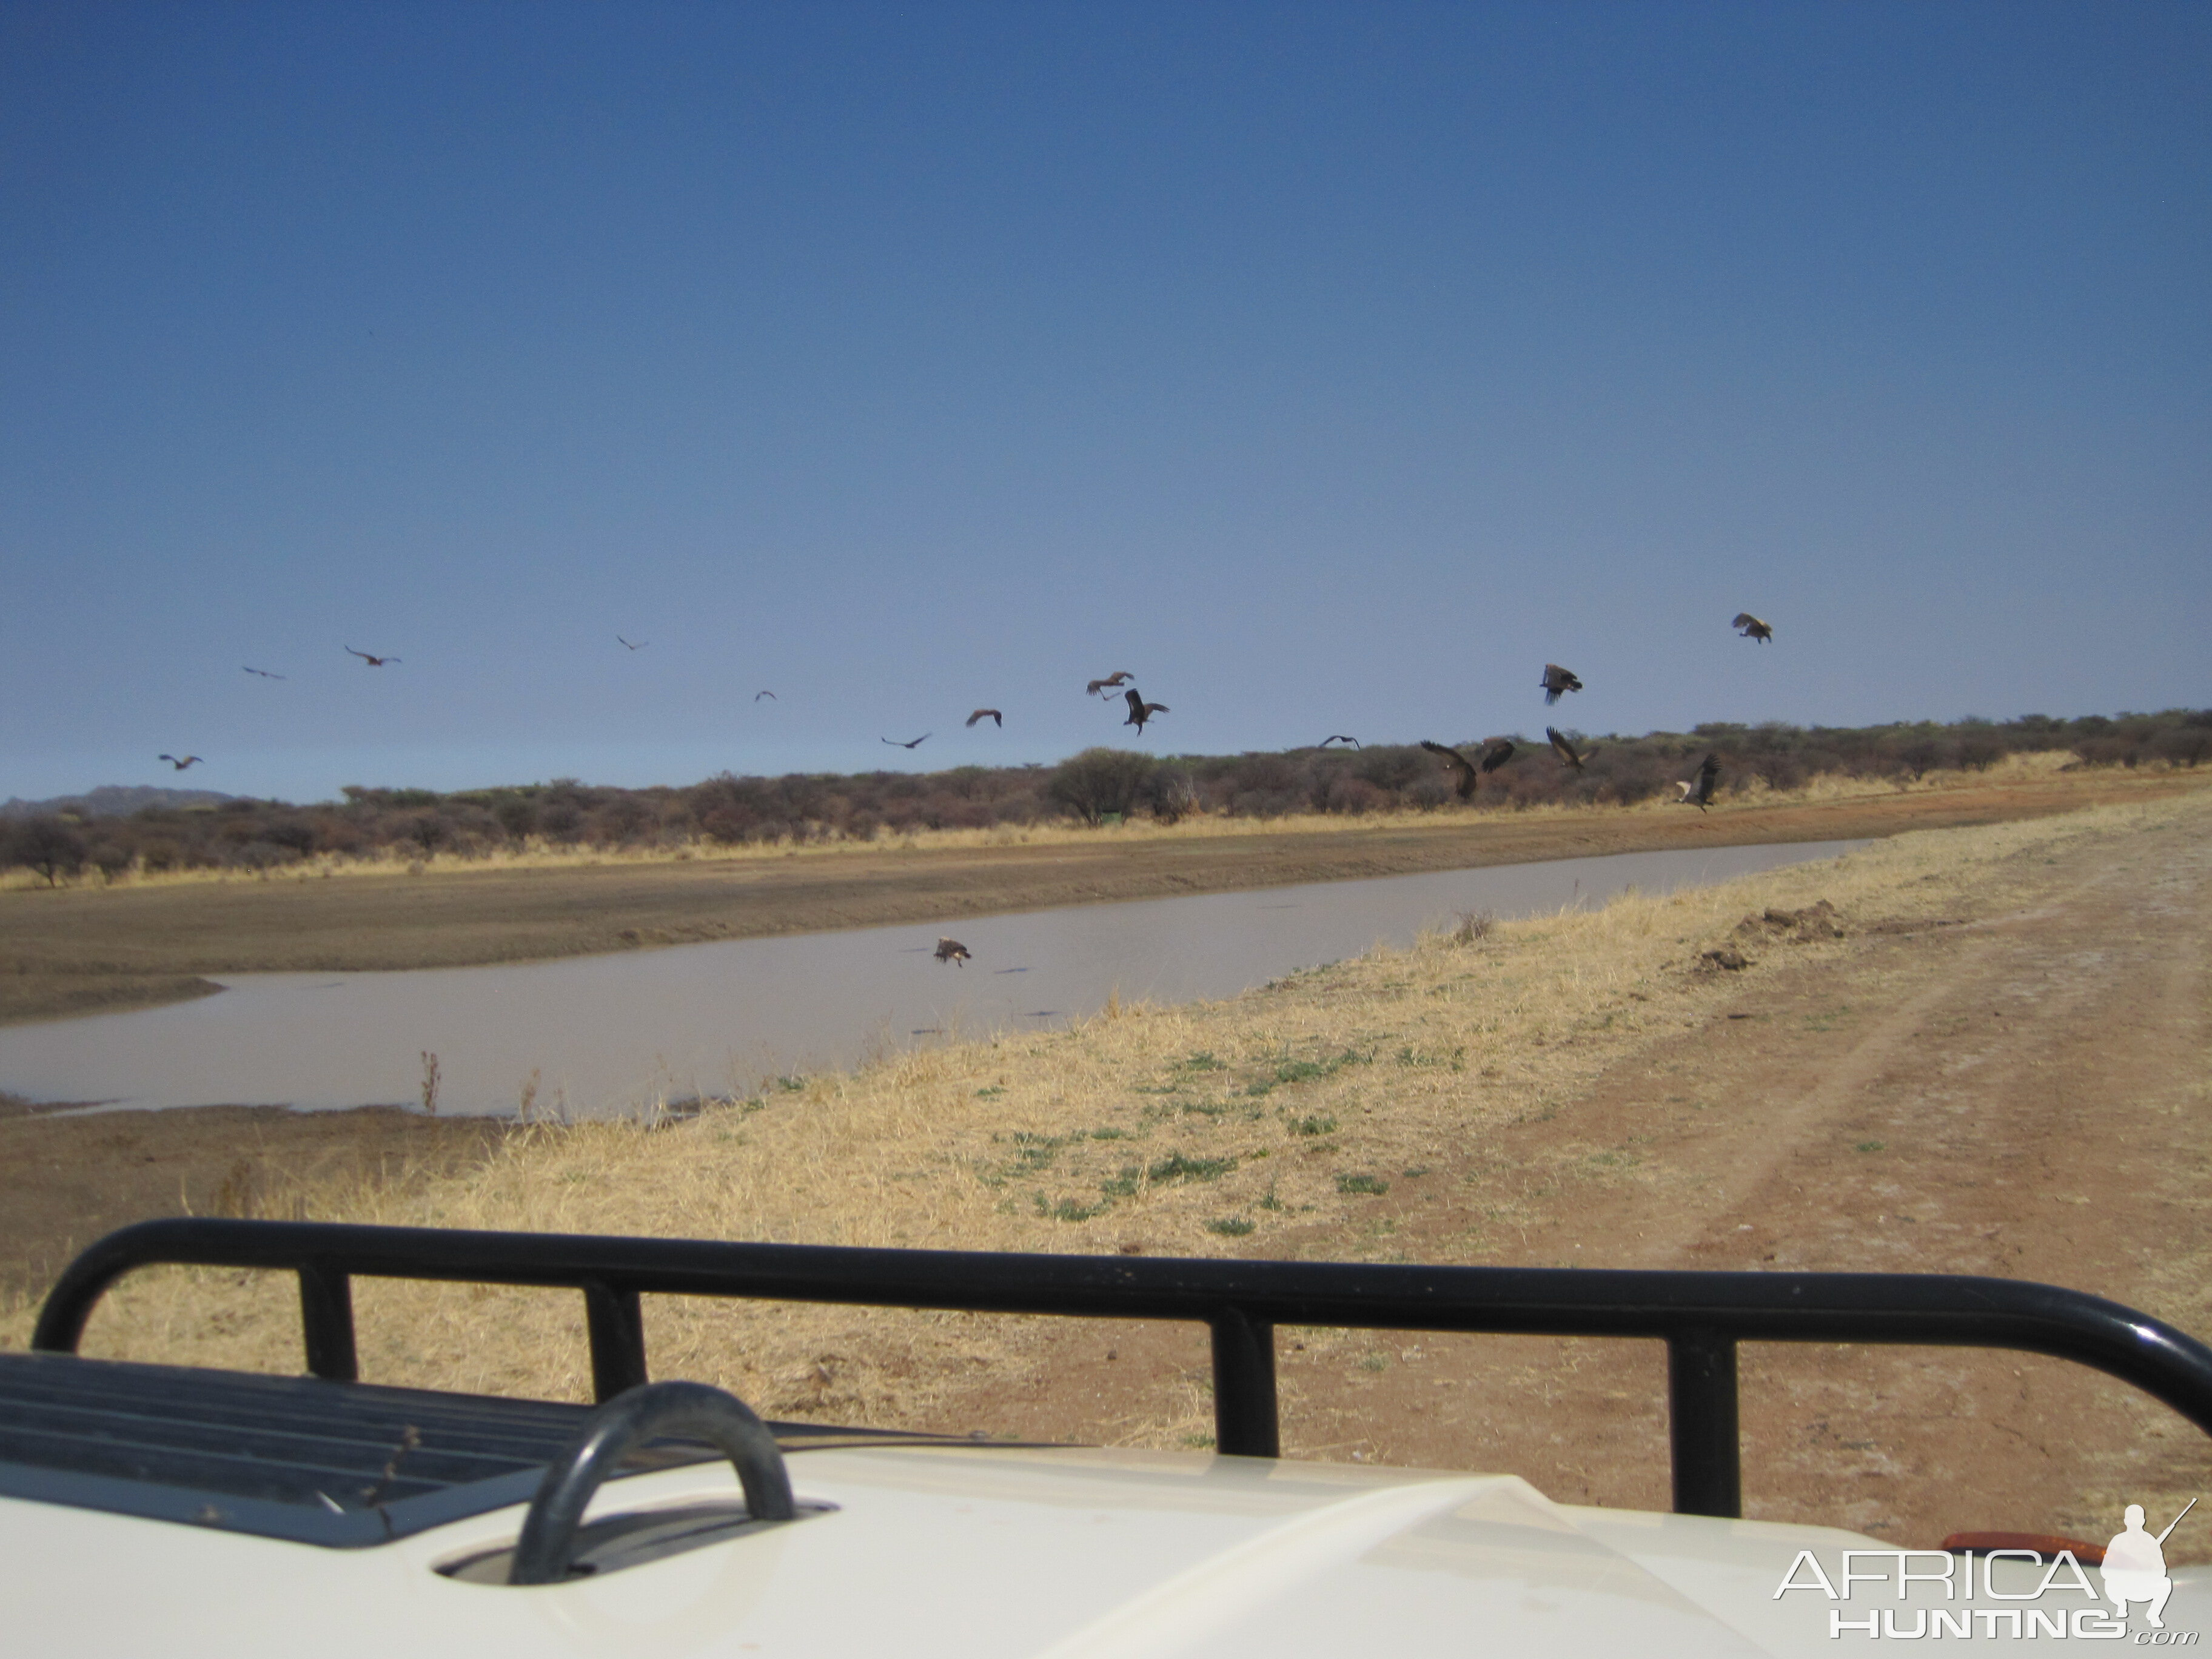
1098,786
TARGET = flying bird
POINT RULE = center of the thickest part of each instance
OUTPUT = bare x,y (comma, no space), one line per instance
179,764
1698,792
1567,750
1112,682
1558,679
1496,751
1140,710
952,950
997,718
1751,627
266,674
1459,763
373,662
1340,737
640,646
917,743
757,696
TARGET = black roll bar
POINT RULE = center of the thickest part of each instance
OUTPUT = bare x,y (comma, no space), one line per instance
1701,1317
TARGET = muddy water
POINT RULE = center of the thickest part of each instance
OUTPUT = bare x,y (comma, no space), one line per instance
598,1035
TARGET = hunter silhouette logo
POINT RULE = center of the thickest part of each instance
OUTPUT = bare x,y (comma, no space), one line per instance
1958,1601
2135,1566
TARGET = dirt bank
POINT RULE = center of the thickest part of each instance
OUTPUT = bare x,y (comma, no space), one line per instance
82,951
65,1180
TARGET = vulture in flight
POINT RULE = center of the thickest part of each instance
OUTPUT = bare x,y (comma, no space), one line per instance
373,662
179,764
1459,763
640,646
997,718
1111,683
1698,792
917,743
1140,710
757,696
1558,679
1340,737
951,950
266,674
1566,750
1751,627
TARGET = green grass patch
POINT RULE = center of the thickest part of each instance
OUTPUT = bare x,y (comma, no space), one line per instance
1373,1186
1232,1226
1320,1124
1176,1167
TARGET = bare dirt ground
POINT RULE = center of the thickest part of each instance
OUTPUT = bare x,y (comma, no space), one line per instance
2027,1093
89,949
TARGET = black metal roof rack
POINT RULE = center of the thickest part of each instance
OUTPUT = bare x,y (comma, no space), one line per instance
1701,1317
338,1464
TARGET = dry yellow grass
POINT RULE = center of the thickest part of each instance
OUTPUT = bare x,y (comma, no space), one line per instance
538,854
1250,1126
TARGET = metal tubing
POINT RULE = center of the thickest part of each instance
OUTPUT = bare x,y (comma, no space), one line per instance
1245,1421
1701,1423
617,1328
1241,1300
326,1321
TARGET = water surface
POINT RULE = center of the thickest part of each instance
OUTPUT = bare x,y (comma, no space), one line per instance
611,1034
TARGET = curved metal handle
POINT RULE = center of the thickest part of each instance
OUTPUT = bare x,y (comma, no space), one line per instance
549,1531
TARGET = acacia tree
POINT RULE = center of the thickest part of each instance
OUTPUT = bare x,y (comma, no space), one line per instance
46,847
1101,782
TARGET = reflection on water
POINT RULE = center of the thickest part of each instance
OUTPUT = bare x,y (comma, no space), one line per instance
603,1034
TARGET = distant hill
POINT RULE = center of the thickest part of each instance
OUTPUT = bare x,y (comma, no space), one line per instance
112,800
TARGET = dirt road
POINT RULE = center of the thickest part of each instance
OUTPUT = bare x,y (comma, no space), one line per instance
2026,1093
88,950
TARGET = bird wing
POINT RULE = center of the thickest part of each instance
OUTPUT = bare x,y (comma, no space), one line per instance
1136,701
1158,708
979,712
1744,619
757,696
363,655
1567,750
1496,754
1459,762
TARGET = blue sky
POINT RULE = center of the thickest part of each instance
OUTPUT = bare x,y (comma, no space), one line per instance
1332,368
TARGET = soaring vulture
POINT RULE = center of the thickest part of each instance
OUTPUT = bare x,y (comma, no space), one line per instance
640,646
1751,627
179,764
1566,750
373,662
266,674
951,950
917,743
1111,683
1558,679
1340,737
1140,710
1460,764
1698,792
997,718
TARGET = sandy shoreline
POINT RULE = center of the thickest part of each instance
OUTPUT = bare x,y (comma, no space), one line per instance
90,950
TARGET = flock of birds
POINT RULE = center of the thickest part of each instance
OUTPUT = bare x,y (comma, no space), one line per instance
1557,681
1696,791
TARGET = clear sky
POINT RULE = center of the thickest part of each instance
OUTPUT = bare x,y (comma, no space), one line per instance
1330,367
